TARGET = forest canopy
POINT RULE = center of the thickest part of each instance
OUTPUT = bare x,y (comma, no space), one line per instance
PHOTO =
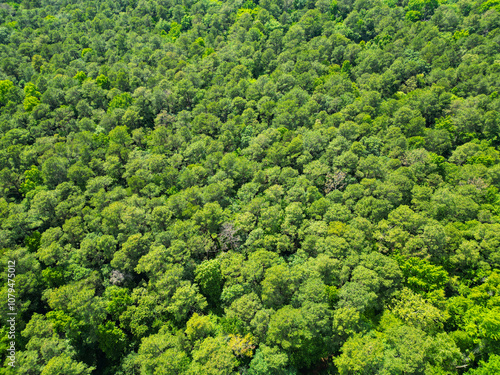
268,187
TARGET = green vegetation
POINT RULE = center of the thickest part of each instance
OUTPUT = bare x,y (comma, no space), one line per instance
264,187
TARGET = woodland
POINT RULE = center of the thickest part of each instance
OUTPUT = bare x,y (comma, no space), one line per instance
272,187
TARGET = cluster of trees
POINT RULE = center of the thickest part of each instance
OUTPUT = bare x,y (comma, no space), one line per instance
263,187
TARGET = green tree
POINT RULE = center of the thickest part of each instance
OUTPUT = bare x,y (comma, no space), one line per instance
213,357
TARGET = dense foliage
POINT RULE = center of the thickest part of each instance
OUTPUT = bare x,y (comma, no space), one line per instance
273,187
